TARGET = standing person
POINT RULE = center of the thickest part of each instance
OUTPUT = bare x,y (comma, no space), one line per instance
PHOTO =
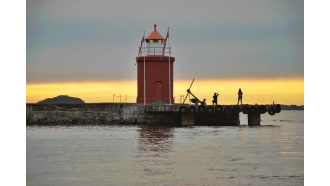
215,98
240,96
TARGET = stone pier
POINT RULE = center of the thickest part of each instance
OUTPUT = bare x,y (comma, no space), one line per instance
187,119
137,114
254,119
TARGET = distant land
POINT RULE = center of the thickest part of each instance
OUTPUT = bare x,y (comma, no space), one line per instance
62,99
292,107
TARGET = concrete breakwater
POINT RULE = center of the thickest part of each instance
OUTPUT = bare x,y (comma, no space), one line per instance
80,114
123,113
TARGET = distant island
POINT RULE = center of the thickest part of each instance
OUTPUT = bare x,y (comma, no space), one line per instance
292,107
62,99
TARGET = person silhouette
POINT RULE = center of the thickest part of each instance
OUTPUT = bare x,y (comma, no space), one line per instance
240,96
215,98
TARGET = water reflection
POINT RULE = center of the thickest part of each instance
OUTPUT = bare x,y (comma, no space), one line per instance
153,157
155,139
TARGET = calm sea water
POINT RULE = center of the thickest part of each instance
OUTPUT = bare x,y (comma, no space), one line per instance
272,154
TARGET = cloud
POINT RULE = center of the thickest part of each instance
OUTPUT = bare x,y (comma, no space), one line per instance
193,11
81,62
98,40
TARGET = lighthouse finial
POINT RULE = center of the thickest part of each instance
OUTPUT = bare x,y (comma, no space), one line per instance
155,27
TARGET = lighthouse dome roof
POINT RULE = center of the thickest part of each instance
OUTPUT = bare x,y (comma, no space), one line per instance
155,35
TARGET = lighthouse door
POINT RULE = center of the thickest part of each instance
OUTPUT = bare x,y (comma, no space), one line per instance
159,90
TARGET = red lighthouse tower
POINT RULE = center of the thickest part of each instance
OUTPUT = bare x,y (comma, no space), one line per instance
155,70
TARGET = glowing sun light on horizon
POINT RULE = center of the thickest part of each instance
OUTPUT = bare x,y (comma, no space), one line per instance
261,91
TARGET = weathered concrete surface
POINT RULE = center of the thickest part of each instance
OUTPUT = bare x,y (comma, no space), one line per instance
80,114
187,119
152,114
123,113
100,114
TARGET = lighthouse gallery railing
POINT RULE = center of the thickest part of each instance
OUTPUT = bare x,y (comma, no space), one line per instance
155,51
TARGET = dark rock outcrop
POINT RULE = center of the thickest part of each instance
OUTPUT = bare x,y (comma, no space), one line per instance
62,99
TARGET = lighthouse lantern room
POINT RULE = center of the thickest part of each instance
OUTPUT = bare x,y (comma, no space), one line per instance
155,70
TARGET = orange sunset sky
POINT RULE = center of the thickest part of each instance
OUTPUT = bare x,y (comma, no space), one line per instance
260,91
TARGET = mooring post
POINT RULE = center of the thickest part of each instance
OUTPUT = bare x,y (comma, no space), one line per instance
253,119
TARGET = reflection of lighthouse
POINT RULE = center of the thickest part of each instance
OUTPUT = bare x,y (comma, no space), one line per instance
155,139
155,70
